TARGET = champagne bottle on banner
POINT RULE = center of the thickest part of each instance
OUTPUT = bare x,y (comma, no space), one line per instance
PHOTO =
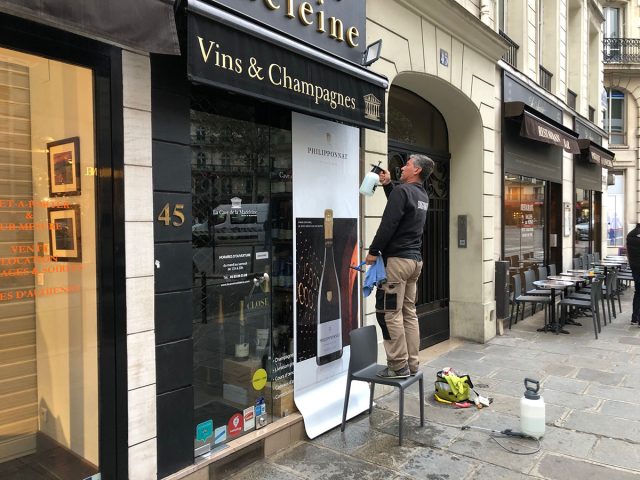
242,347
329,318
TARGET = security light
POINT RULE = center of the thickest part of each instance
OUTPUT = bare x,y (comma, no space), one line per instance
372,53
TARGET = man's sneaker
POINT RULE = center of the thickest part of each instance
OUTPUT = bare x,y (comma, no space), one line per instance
388,373
634,320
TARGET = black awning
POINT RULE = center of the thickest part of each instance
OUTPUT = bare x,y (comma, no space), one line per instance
227,51
594,153
536,126
147,25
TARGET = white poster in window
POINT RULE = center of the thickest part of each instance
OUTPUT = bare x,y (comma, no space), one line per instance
326,218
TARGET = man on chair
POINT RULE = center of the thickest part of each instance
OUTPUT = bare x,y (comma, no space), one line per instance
399,241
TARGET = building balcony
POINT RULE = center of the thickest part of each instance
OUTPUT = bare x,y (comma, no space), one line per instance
511,55
621,50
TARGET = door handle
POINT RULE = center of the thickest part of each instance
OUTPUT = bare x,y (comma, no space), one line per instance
259,279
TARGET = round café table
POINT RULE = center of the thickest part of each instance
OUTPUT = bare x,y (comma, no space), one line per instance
552,286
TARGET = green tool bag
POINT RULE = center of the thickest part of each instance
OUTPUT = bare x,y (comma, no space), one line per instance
451,386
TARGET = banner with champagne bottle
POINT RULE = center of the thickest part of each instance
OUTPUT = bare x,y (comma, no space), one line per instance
326,219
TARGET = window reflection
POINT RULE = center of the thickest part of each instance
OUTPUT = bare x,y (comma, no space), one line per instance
524,219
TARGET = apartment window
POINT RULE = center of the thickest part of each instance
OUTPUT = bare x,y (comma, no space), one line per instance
614,122
613,22
615,212
572,98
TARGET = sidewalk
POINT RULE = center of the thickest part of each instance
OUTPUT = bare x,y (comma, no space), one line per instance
592,393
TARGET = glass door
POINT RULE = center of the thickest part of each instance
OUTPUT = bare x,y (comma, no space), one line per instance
242,266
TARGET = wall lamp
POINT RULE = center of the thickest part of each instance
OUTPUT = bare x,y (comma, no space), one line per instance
372,53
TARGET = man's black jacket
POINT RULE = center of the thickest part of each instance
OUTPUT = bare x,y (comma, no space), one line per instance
402,226
633,248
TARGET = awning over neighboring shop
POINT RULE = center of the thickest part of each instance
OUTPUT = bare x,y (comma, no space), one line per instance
227,51
146,25
594,153
537,127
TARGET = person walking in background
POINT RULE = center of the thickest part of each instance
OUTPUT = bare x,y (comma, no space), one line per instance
399,241
633,254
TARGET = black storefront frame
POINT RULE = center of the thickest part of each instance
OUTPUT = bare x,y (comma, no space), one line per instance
106,65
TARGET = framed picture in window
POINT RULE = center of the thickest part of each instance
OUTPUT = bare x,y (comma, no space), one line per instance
64,167
64,233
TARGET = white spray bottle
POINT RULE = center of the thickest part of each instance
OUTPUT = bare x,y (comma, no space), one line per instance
370,181
532,410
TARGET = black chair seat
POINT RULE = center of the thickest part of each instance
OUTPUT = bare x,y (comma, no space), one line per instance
363,367
535,298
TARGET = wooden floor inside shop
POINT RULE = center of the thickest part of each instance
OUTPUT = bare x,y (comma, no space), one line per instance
51,461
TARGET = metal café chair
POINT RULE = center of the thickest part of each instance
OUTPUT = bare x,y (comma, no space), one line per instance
518,299
590,304
577,263
363,367
552,269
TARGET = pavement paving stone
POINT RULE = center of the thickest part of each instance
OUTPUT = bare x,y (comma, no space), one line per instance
264,470
570,400
503,351
624,394
384,450
353,437
378,418
559,467
617,453
504,387
493,472
603,425
314,462
515,375
568,442
602,362
600,376
526,364
431,435
602,344
460,354
629,340
479,445
564,384
432,464
621,410
631,380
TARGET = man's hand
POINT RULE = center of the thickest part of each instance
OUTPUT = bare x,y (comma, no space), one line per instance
371,259
385,177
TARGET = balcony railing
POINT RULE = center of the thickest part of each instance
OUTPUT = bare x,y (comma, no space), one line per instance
545,78
621,50
512,53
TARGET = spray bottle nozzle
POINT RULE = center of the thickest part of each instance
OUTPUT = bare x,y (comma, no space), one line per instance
377,169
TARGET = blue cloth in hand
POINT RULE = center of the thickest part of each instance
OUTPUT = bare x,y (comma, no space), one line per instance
374,277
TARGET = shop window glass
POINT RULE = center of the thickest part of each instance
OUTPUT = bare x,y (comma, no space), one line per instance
614,119
48,282
584,223
615,212
242,267
524,219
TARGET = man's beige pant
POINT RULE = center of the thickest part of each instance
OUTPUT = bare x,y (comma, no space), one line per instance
396,313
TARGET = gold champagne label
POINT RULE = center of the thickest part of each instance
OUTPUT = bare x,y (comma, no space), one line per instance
329,296
328,224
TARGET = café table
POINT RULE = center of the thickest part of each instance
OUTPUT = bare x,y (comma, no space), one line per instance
552,286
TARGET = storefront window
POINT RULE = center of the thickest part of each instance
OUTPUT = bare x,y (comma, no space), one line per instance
615,212
242,267
48,286
524,219
588,222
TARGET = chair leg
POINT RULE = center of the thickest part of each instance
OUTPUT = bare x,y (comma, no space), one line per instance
372,387
421,384
604,313
619,303
346,404
594,315
401,413
511,314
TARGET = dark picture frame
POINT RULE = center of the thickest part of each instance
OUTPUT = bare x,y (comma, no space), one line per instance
64,167
64,233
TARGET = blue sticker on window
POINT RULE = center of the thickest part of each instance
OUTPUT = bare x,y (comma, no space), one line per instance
204,431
